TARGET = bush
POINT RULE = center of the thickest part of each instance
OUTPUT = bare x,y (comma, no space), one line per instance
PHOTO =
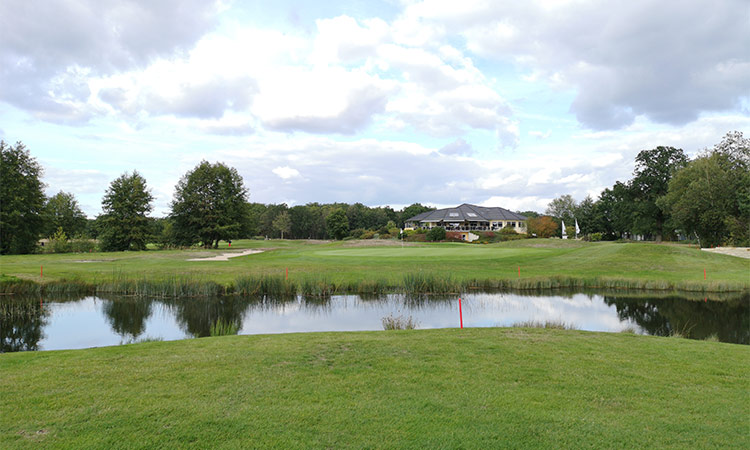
369,234
82,245
595,237
357,233
436,234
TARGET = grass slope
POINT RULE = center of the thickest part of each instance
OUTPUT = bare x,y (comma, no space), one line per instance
538,259
471,388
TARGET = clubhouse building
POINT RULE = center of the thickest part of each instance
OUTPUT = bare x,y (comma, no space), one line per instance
466,218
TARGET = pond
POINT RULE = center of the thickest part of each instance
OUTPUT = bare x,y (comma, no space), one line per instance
52,324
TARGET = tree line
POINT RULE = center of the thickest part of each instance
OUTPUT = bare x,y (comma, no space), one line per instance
706,198
210,204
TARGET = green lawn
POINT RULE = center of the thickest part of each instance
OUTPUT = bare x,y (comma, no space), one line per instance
354,262
451,388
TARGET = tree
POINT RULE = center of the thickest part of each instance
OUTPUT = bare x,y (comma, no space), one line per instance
337,224
210,204
411,211
542,227
563,207
283,223
124,225
711,196
613,211
653,170
62,211
585,214
21,199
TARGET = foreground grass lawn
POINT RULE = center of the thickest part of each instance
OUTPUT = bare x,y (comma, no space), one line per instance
451,388
357,261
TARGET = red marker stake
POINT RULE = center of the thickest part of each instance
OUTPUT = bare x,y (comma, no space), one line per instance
287,273
41,271
704,274
460,312
519,271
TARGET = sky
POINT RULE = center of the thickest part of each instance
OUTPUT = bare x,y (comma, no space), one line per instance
496,103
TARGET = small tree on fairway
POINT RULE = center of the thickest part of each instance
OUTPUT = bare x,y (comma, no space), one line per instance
337,224
124,223
21,199
210,204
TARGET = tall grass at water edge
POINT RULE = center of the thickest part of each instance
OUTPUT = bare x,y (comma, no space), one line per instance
323,286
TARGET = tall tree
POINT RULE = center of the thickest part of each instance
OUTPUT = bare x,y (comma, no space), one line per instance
21,199
653,170
210,204
124,224
711,196
613,211
563,207
62,211
337,224
585,215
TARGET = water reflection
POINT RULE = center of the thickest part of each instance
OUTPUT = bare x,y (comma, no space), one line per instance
729,321
26,324
197,315
21,324
128,315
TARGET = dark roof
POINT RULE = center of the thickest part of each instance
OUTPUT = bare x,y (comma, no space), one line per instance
466,212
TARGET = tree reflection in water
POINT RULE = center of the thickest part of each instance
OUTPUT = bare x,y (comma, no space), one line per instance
728,320
197,315
127,315
21,324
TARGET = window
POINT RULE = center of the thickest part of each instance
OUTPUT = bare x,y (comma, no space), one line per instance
512,224
471,214
453,214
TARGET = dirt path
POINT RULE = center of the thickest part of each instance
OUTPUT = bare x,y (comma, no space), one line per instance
742,252
226,256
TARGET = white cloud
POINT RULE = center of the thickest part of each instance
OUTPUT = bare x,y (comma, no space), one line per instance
286,172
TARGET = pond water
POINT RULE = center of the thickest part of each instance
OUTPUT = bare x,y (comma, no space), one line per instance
51,324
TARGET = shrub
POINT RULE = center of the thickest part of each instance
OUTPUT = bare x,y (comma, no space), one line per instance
595,237
436,234
369,234
82,245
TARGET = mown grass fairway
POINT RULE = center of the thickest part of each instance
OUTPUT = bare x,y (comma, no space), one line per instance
354,262
451,388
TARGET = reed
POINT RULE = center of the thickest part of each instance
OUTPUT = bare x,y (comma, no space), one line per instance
548,324
223,328
268,285
391,322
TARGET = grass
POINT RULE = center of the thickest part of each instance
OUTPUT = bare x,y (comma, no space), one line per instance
471,388
391,322
323,268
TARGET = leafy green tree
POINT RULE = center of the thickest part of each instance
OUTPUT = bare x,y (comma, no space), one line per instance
337,224
210,204
585,214
62,211
710,197
283,223
563,208
21,199
613,211
653,170
124,225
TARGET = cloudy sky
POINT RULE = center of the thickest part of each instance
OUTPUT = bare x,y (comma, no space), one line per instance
498,103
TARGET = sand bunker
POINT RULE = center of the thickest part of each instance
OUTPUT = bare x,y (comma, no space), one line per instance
226,256
742,252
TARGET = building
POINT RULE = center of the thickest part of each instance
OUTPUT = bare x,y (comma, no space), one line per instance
466,218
